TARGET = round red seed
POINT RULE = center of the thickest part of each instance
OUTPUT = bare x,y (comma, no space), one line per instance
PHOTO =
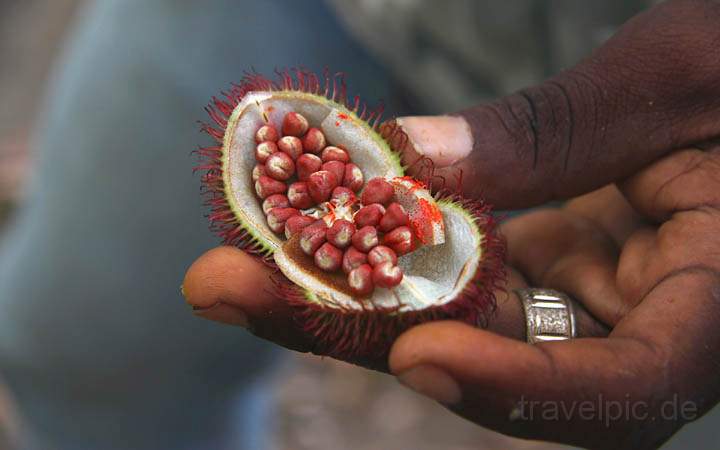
352,259
381,254
353,177
264,149
258,171
395,216
312,237
369,215
337,168
266,186
360,280
280,166
400,240
342,196
306,165
332,153
275,201
314,141
321,185
294,124
266,133
299,195
277,217
387,275
328,257
340,233
365,239
296,224
290,145
377,190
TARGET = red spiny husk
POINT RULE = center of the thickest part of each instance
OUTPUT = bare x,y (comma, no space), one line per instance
339,331
222,220
348,334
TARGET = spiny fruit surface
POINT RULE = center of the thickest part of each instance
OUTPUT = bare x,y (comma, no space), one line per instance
309,182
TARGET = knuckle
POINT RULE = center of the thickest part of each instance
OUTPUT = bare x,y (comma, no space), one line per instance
682,182
515,116
540,122
690,237
571,125
674,48
708,175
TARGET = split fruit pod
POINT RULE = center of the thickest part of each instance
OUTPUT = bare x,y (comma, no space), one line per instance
449,269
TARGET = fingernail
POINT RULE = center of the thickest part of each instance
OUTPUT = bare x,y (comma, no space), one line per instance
433,383
224,313
444,139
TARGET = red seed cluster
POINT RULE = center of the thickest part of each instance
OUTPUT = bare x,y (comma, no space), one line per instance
310,187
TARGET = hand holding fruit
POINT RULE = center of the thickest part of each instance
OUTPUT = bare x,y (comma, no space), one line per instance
626,136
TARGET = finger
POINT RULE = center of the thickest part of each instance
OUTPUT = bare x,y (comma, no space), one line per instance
677,320
685,180
682,190
660,355
508,319
227,285
491,380
610,211
651,88
649,358
557,249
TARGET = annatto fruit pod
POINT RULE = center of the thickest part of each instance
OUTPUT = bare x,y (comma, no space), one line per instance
449,255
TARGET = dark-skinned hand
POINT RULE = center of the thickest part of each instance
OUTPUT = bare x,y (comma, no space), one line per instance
626,137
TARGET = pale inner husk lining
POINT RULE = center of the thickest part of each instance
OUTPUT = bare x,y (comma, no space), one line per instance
434,275
338,124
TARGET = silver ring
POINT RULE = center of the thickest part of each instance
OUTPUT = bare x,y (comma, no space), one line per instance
549,315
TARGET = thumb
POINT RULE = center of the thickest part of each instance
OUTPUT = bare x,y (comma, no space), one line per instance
651,88
512,387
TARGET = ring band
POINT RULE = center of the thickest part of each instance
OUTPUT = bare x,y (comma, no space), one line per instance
549,315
